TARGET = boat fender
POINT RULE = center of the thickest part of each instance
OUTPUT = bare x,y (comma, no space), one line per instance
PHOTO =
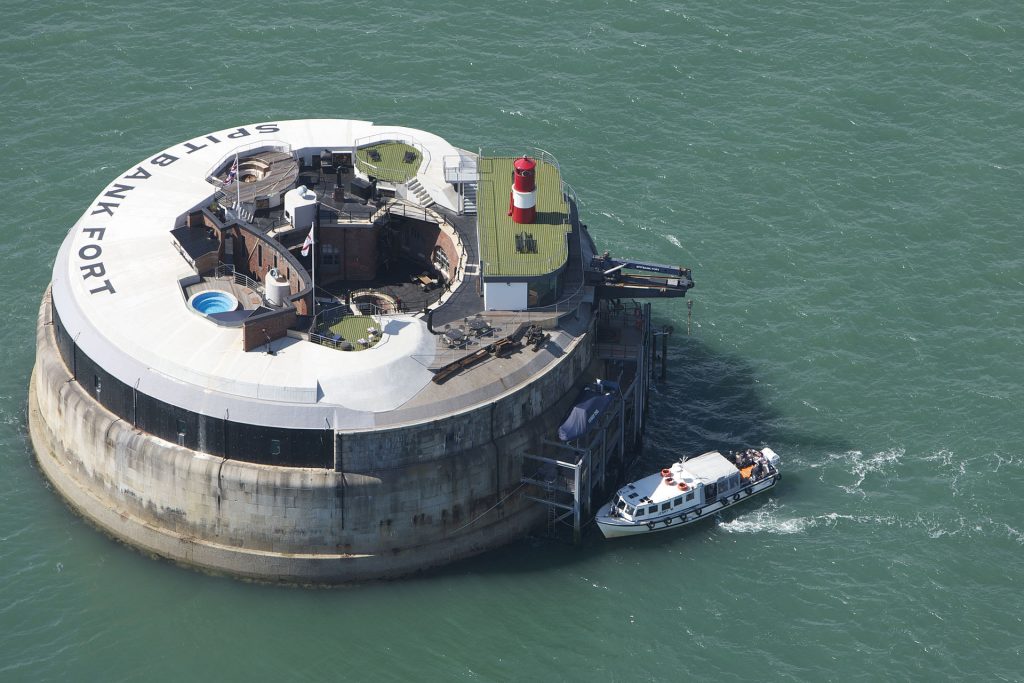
666,473
749,490
650,525
735,497
682,486
668,521
697,511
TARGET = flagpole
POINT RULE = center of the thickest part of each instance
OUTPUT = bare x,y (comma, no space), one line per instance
238,188
312,231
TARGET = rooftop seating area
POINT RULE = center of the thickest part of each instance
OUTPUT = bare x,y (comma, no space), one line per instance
395,162
348,328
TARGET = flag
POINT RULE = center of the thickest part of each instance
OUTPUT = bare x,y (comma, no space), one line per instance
231,173
308,243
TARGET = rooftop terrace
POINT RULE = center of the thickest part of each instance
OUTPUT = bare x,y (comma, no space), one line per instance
498,232
395,162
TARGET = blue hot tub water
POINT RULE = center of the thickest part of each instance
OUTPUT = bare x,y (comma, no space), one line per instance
214,302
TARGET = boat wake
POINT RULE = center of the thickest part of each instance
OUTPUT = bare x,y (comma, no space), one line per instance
769,519
765,521
858,466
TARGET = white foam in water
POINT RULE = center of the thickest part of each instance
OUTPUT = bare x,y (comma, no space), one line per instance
765,520
860,466
674,240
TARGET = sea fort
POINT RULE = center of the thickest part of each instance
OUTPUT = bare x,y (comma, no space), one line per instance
322,351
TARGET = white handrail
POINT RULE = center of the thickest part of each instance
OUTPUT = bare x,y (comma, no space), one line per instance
395,137
275,145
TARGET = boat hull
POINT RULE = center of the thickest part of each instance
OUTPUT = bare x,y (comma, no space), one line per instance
615,527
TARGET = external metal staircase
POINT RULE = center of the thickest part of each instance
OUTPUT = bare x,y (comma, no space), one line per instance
469,198
243,212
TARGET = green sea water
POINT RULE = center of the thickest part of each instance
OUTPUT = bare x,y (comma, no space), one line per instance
845,179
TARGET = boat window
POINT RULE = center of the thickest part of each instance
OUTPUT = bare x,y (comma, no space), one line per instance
678,500
632,496
629,511
639,512
621,504
666,506
651,510
689,496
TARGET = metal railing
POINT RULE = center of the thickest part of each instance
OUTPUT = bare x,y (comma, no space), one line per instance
465,170
375,138
256,145
537,153
320,329
227,270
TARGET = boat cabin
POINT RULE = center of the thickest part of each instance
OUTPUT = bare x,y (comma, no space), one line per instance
693,483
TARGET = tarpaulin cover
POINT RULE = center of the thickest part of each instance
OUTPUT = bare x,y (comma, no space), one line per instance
584,415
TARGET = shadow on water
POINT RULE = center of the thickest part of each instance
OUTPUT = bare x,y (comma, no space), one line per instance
709,400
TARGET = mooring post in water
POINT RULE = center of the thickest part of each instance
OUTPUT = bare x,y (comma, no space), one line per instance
667,330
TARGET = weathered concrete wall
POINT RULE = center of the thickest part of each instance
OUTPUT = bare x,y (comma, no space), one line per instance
404,499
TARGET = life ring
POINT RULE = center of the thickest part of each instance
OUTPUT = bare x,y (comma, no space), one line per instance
666,473
650,525
682,486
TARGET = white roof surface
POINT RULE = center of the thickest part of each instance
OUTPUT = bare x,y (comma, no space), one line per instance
708,468
115,286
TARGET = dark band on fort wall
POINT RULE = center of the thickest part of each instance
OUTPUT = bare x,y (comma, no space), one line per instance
220,437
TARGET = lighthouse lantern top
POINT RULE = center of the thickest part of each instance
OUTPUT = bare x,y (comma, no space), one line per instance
524,165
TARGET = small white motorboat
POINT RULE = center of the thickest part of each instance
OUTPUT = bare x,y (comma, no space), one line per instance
688,491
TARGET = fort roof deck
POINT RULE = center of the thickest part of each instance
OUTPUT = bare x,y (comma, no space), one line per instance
502,254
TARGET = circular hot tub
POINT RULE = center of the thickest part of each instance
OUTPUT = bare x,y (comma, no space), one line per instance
211,302
385,303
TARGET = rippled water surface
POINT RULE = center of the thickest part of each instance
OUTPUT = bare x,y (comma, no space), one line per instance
846,182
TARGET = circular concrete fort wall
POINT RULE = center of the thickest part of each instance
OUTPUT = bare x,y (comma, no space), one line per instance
290,461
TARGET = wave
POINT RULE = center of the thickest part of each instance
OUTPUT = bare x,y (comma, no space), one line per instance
771,519
858,466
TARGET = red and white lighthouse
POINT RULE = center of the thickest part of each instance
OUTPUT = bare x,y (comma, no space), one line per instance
522,203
